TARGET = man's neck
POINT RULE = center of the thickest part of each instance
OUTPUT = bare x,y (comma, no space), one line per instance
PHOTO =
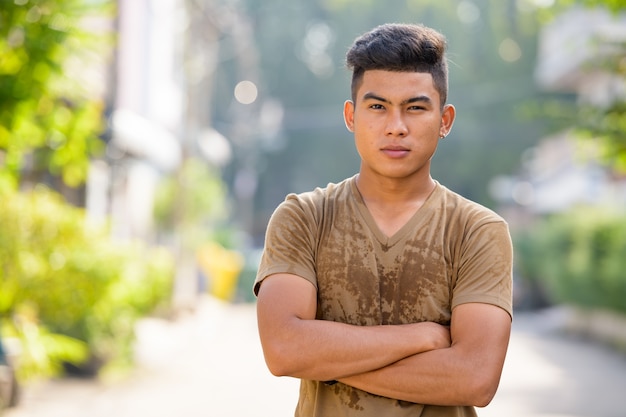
392,203
392,192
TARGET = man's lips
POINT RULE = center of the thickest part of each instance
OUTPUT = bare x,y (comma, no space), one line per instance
395,151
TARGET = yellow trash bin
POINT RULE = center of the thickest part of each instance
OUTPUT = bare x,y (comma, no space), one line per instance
222,267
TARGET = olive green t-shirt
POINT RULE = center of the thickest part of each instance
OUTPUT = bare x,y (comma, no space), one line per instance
452,251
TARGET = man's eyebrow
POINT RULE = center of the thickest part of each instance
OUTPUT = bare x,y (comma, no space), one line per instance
422,98
372,96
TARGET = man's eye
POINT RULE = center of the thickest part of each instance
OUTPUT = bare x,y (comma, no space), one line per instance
416,108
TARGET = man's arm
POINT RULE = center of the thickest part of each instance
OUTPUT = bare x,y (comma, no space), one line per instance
466,373
296,344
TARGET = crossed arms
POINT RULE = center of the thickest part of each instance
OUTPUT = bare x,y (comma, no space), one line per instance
421,362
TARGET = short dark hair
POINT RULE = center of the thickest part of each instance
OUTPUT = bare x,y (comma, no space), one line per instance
402,48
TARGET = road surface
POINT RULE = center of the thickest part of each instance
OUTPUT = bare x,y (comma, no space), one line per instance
209,364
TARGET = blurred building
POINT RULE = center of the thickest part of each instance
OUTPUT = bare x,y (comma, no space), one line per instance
570,43
146,116
562,171
167,52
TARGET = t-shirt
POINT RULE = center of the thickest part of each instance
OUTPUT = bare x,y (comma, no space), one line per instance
452,251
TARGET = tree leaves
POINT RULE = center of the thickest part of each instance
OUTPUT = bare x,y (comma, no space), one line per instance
49,124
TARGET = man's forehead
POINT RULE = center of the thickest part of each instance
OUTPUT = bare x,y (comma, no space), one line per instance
396,85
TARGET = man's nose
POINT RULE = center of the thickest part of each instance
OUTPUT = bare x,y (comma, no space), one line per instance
396,125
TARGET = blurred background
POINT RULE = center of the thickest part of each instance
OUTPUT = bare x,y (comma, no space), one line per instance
145,143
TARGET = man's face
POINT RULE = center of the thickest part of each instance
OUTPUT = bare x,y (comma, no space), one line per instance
397,122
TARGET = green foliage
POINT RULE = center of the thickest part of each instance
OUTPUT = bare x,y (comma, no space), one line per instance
578,257
47,112
605,125
66,289
43,353
546,14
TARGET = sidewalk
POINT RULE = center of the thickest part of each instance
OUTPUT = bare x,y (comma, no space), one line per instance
205,364
549,374
209,363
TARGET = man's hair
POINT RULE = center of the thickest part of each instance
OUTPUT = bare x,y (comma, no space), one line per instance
401,48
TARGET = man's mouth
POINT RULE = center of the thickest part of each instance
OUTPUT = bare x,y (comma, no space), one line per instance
395,151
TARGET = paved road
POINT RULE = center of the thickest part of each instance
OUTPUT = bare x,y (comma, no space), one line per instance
209,364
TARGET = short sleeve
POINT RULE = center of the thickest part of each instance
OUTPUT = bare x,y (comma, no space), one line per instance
485,268
290,241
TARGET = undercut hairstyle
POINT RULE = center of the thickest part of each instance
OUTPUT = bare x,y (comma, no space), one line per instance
401,48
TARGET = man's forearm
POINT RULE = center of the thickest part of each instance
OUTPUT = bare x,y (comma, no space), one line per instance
433,377
466,373
324,350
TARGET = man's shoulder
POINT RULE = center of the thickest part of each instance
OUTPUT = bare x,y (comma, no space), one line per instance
312,205
321,195
460,205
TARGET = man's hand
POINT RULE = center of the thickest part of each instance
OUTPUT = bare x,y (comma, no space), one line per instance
438,335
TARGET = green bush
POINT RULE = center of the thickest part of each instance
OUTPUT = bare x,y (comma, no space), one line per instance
50,117
578,257
67,291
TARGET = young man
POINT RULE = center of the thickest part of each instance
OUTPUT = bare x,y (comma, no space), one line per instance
388,294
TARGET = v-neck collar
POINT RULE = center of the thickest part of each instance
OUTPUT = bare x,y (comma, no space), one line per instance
383,239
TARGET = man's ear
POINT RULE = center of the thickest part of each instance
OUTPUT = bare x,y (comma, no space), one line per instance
348,115
447,120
